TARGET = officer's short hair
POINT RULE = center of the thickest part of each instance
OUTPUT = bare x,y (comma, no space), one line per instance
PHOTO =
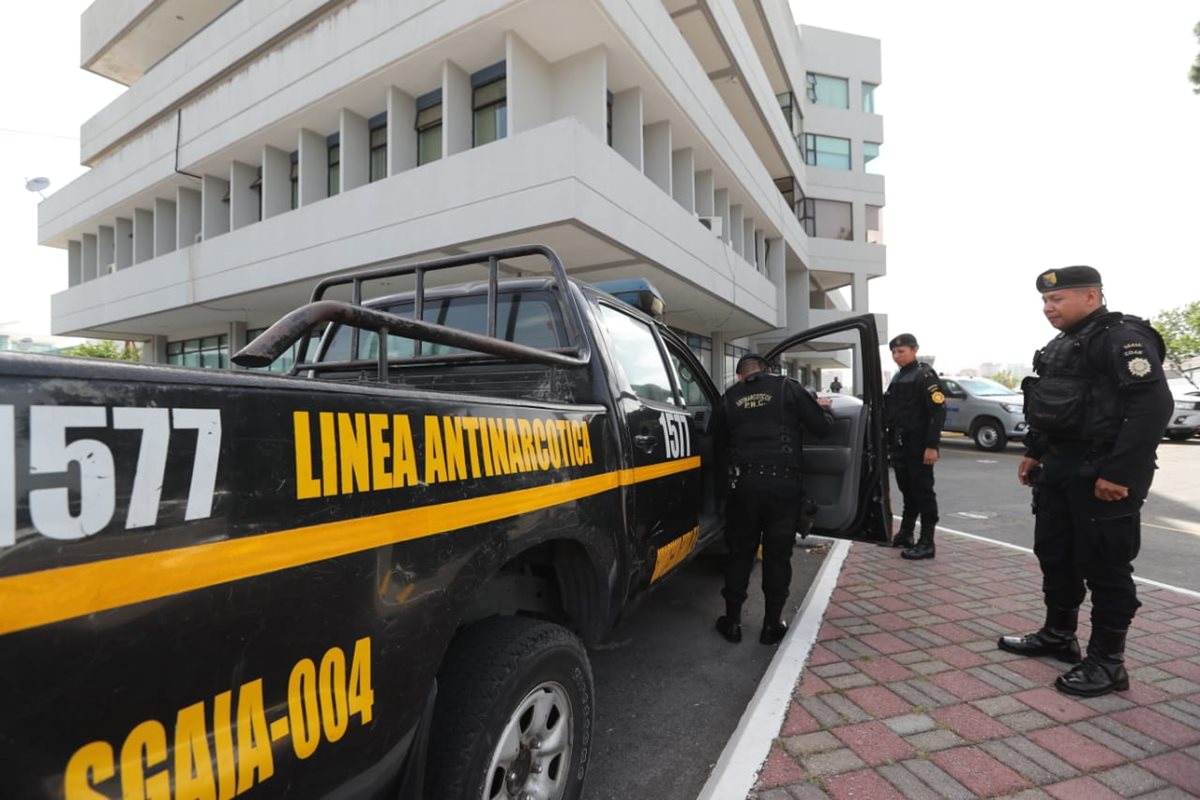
903,340
743,363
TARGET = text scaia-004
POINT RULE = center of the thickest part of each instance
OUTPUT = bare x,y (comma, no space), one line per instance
168,761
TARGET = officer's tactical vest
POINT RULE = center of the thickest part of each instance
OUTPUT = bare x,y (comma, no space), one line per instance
904,401
763,432
1071,398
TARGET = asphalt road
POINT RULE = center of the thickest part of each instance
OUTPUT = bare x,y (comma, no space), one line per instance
670,690
978,493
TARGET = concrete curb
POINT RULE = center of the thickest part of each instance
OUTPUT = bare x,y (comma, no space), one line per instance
738,766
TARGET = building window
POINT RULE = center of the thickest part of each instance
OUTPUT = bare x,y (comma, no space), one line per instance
832,219
334,143
490,104
429,127
870,153
295,177
209,351
608,119
868,94
825,90
874,225
288,358
806,212
793,116
826,151
378,148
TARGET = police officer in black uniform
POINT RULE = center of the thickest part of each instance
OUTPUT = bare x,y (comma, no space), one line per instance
757,431
914,410
1097,411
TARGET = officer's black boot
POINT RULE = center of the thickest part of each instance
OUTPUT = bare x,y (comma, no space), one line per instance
773,628
904,536
924,547
1056,638
730,625
1103,670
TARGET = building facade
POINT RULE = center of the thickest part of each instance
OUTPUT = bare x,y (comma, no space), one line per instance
711,146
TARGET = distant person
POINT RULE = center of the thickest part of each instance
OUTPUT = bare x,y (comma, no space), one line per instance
914,409
757,433
836,386
1097,411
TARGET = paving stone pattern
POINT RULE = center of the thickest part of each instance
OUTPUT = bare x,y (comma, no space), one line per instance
905,694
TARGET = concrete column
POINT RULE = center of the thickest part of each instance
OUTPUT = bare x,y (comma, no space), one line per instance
748,239
214,210
858,216
683,179
858,294
529,85
105,252
164,226
90,261
657,150
187,216
74,263
243,201
737,229
798,302
776,267
627,126
237,340
356,150
705,201
143,235
457,118
580,90
155,350
276,182
760,251
314,167
717,373
402,131
123,243
721,209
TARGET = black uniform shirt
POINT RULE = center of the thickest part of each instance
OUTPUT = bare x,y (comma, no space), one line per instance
1128,355
749,423
915,403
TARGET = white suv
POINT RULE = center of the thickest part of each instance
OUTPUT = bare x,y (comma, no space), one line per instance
987,411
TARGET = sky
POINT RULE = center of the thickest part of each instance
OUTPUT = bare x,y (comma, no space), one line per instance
1016,140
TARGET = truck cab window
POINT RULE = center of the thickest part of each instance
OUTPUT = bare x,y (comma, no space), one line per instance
636,350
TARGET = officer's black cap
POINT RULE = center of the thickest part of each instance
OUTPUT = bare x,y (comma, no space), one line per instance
903,340
1068,278
749,357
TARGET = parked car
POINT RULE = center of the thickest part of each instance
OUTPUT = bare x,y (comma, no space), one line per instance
987,411
1185,423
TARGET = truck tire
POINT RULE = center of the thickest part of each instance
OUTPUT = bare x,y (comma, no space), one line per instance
989,434
514,714
1180,436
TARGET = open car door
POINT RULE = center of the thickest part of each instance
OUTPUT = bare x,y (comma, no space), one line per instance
846,472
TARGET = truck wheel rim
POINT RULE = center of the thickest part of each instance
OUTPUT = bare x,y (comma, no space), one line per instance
988,436
533,757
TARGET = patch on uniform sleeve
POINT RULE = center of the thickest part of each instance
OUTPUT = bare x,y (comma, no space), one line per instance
937,397
1139,367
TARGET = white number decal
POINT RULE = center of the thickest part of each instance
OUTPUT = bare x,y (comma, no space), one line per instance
676,434
155,424
207,423
49,452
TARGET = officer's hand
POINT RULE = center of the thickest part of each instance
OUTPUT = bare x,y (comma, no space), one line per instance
931,456
825,402
1023,469
1106,490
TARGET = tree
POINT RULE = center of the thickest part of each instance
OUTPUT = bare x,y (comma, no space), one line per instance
105,349
1194,73
1180,329
1006,378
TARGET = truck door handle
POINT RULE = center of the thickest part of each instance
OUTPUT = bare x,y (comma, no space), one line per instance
645,441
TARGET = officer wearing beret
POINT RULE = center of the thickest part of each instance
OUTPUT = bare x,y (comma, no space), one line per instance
1097,410
914,410
757,430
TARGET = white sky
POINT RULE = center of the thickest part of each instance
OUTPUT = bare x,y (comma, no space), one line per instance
1017,138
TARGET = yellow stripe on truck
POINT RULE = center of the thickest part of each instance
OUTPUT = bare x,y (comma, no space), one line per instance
53,595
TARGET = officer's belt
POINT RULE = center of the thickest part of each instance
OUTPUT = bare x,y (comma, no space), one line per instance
769,471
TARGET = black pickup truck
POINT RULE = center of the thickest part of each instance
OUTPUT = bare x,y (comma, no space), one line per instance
378,575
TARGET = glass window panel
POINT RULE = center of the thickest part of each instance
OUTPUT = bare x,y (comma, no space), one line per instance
335,169
490,93
378,167
191,360
870,153
868,97
830,91
828,151
833,219
637,352
209,342
429,145
429,116
491,123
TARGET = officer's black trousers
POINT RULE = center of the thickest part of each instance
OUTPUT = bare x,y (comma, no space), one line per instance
761,510
1081,540
915,479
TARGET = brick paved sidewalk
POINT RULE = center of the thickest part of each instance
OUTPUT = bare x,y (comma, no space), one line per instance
906,696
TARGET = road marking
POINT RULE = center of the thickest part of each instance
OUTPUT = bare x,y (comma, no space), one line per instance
748,747
972,514
1167,528
987,461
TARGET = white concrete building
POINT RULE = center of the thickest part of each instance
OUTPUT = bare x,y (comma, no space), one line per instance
711,146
